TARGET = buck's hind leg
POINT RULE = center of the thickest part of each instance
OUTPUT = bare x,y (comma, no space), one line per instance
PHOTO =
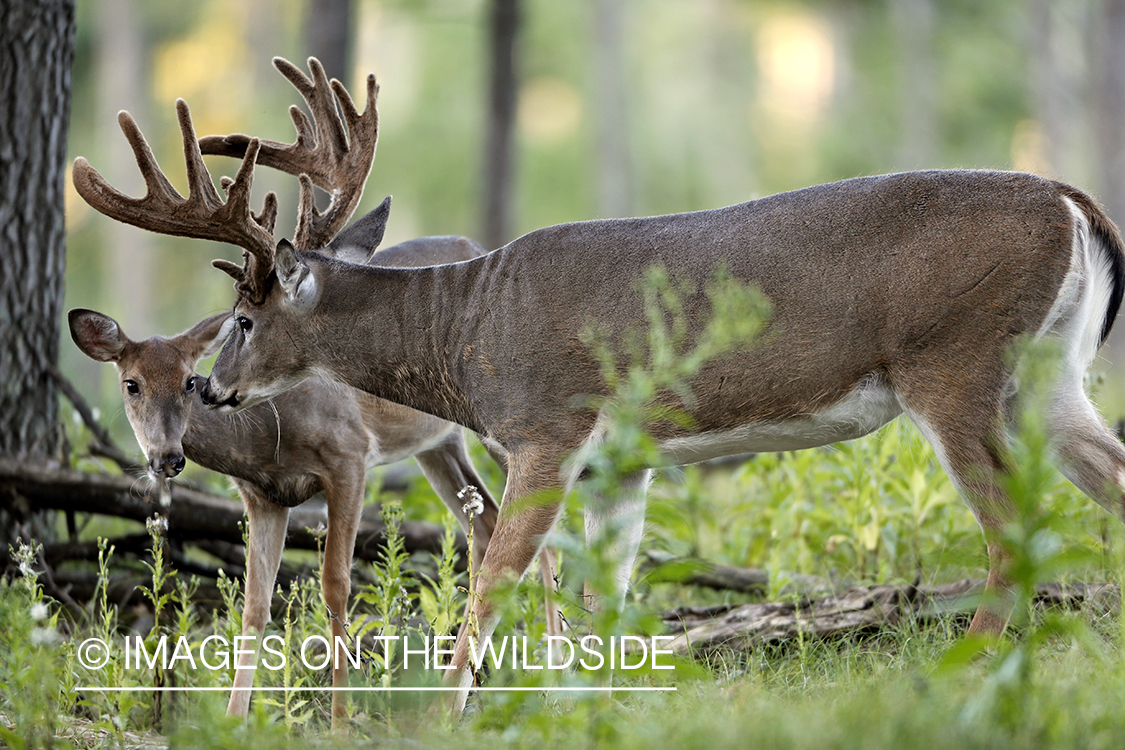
964,422
1087,451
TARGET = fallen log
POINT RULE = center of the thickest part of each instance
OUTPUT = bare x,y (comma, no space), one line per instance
706,630
192,514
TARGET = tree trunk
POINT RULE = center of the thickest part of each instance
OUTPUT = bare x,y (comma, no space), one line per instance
913,22
36,53
328,36
1110,114
504,23
615,173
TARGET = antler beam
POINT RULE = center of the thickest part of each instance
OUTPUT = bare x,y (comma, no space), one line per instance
203,214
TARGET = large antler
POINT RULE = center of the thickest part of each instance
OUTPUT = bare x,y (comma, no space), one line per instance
203,214
327,154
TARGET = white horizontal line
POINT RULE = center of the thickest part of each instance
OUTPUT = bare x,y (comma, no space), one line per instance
378,689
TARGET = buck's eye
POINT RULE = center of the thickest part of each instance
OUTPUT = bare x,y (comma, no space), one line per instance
132,387
190,385
245,323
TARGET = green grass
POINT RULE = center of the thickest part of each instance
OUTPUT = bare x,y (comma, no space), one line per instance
876,510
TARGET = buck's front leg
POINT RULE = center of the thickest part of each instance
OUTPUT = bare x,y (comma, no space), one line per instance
530,509
267,524
614,527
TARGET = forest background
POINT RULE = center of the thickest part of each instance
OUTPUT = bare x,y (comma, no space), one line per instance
620,108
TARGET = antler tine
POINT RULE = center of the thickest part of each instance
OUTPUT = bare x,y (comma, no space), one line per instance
203,214
107,199
318,93
154,178
334,152
267,217
200,185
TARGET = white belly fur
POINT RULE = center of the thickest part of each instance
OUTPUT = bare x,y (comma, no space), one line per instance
869,406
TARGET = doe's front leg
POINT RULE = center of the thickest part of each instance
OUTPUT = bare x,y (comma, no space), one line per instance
267,524
345,506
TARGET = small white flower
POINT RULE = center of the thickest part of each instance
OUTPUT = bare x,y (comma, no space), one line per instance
157,525
39,611
44,636
474,503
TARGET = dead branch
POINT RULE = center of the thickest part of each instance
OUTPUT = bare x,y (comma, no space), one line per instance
192,515
862,609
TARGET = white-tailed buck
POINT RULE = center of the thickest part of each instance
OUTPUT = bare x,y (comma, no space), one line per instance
319,437
891,294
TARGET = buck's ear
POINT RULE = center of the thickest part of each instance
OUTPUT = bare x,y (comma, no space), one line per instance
205,337
364,235
293,274
98,336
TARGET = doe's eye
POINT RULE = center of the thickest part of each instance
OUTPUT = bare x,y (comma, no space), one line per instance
245,323
132,387
190,385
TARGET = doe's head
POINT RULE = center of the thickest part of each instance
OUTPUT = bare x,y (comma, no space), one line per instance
157,377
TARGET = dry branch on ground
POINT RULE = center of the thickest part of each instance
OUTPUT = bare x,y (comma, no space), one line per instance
193,516
857,610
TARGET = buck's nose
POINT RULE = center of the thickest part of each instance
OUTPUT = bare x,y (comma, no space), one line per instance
170,465
209,399
205,392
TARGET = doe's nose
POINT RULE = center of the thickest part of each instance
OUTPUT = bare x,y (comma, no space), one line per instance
170,465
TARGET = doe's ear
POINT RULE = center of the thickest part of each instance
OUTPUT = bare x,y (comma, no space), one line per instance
293,274
206,337
97,335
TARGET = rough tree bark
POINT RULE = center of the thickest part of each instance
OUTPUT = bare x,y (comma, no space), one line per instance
36,53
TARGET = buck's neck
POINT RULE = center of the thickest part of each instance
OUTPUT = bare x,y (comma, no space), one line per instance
396,341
